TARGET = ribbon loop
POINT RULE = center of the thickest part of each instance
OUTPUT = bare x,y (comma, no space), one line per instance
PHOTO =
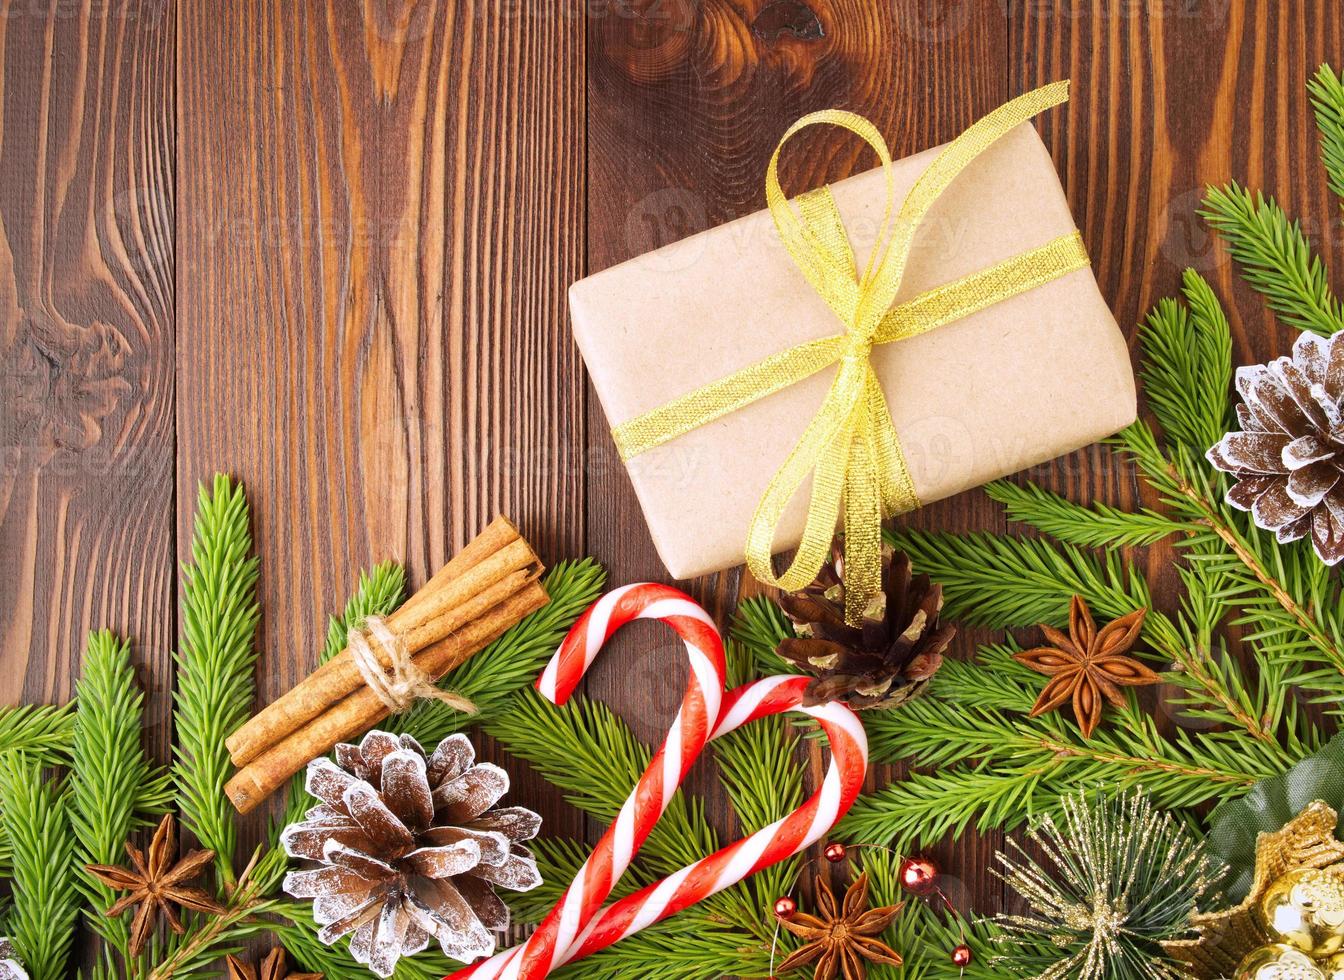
850,449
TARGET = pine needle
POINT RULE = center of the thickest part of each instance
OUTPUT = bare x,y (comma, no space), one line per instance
1098,526
1187,365
113,788
41,731
1277,261
46,899
215,688
1327,99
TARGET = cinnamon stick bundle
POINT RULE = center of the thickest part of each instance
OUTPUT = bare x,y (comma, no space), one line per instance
484,590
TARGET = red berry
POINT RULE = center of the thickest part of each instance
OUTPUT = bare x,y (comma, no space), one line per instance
919,875
785,907
835,853
961,956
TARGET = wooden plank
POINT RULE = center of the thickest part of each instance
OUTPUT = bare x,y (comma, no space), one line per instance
686,103
381,210
86,341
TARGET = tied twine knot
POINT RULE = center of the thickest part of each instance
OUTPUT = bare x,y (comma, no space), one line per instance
850,450
399,683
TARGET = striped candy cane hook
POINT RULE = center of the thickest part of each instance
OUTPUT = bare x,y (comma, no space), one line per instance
691,729
781,840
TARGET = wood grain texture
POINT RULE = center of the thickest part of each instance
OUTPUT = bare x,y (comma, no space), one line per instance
381,210
86,342
325,245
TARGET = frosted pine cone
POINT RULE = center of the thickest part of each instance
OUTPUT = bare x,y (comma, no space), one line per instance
10,967
1289,455
410,849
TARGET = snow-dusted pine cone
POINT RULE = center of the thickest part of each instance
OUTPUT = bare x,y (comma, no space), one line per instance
410,849
1288,457
10,967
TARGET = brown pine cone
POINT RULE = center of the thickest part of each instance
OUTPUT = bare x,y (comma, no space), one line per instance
410,849
885,661
1288,457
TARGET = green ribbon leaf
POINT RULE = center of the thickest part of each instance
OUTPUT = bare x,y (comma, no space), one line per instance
1235,824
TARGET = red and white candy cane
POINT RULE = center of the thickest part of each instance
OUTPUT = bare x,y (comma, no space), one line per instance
708,876
781,840
695,721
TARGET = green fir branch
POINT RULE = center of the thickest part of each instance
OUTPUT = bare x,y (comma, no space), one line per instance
215,688
759,626
584,749
994,767
46,897
1327,100
1187,365
1098,526
40,731
1284,588
1005,583
1275,256
113,788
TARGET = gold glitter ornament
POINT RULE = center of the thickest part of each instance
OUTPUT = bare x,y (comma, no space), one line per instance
1333,966
1305,908
1226,936
1278,962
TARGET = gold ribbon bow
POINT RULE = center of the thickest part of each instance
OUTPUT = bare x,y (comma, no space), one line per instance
850,448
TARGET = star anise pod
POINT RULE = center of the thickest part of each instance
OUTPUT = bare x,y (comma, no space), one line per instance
273,967
841,939
1088,664
155,884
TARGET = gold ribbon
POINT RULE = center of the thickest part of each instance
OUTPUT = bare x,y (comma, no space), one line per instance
850,448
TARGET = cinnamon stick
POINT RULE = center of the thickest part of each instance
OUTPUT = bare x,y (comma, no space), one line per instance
362,709
480,576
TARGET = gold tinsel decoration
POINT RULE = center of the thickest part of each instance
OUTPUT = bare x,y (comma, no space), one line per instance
1307,841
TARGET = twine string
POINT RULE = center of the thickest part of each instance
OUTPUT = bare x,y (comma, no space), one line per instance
398,683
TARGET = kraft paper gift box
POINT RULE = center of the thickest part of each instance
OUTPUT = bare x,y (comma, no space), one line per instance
1022,381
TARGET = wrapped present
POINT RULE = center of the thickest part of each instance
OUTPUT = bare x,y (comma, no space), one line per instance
893,339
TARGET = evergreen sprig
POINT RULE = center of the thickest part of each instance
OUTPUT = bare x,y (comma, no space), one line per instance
43,733
215,687
113,788
40,731
1276,258
46,896
1327,99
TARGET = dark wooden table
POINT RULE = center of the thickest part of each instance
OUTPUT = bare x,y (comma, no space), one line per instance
324,246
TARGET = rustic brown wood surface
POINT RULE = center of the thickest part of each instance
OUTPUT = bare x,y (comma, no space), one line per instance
324,246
